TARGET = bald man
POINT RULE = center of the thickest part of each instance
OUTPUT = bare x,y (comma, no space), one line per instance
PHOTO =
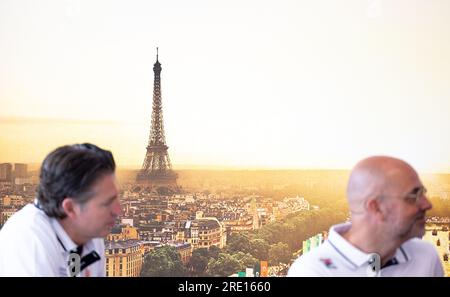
388,203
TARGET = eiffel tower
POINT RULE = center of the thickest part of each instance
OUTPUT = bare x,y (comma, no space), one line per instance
156,173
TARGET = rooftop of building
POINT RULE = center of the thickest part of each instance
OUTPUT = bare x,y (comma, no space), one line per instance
122,244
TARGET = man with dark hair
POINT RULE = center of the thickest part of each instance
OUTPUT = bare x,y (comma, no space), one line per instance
61,233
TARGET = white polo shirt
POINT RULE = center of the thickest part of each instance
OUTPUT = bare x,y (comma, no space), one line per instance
337,257
33,244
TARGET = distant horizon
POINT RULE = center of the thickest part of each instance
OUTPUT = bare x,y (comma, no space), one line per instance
203,167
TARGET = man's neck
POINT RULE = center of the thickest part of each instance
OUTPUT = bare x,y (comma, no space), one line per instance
71,232
372,241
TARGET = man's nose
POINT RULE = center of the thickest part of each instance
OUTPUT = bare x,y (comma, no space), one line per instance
117,208
425,204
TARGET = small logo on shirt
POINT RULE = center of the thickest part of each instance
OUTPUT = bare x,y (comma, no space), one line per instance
74,264
374,263
328,263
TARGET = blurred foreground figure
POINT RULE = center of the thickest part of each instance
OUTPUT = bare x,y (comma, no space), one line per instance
61,233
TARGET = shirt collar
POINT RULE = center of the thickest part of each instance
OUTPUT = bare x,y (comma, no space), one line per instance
62,236
354,256
401,255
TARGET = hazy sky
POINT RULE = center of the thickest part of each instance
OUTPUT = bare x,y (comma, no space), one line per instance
267,84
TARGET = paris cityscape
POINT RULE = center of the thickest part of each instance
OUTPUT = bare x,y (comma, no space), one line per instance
233,160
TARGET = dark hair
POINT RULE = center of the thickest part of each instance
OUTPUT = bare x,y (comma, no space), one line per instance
70,171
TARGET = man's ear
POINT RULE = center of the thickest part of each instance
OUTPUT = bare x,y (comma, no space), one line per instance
70,207
375,208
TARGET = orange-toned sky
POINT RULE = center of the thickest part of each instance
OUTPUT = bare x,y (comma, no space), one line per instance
251,84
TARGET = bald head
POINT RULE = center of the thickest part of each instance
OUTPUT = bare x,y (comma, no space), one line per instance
374,177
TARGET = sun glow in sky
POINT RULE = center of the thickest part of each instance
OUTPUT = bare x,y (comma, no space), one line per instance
250,84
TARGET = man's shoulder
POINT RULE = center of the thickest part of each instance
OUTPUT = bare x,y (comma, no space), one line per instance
426,258
314,263
29,223
27,241
417,246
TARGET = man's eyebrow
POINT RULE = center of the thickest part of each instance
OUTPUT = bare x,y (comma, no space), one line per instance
415,190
